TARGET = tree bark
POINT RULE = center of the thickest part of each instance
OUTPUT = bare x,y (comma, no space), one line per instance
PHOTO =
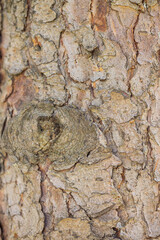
80,119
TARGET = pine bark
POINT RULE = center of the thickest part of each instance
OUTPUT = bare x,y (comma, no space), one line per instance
80,119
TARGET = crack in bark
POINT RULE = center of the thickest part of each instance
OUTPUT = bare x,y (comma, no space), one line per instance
42,174
3,126
117,234
67,204
150,159
2,232
109,5
27,23
89,217
135,44
68,95
2,167
131,71
91,10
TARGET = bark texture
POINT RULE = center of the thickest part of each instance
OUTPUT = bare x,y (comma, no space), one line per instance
80,119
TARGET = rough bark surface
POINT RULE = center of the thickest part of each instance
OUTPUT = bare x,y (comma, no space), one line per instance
80,119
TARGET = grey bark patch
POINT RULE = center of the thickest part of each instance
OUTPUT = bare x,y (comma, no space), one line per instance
62,134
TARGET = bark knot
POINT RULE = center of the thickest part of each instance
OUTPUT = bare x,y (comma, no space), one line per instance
42,131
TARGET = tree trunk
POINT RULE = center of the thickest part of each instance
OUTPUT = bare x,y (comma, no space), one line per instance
80,119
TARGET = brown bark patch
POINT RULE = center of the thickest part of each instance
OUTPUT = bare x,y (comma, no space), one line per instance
99,15
81,95
23,90
158,55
